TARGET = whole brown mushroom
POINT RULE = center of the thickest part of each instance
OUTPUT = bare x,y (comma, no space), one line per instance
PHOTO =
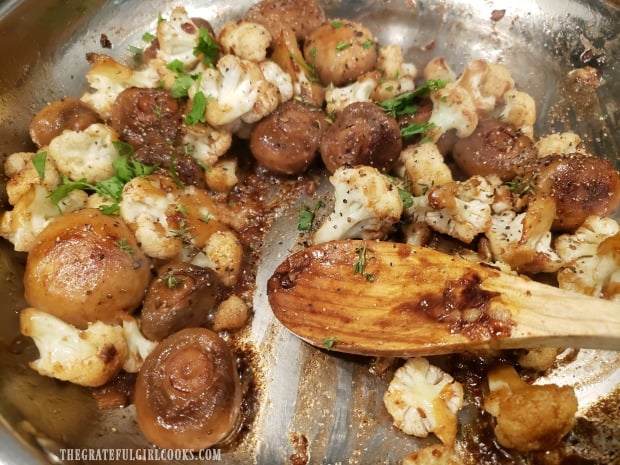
362,134
302,17
581,185
181,296
86,267
54,118
287,141
188,394
495,148
340,51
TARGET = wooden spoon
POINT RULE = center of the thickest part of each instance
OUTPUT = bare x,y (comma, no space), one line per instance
390,299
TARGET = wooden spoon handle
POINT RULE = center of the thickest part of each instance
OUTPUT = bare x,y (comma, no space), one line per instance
383,298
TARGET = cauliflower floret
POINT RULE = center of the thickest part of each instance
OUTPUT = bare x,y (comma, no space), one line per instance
461,209
86,154
33,212
423,399
438,68
109,78
453,108
396,76
436,454
231,314
22,174
366,206
178,38
520,111
246,39
591,258
222,176
487,83
528,418
207,143
223,253
89,357
236,90
360,91
278,77
138,347
144,207
425,167
563,143
523,240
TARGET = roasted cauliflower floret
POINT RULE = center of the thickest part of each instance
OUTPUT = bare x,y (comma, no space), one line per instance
222,176
591,258
438,68
422,399
236,92
33,212
89,357
279,78
395,75
425,167
523,240
437,454
246,39
109,78
519,111
461,209
138,346
23,174
178,37
337,98
563,143
223,253
453,108
232,314
206,142
487,83
86,154
366,206
528,417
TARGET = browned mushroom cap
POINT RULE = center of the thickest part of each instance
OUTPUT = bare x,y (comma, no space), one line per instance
287,141
581,185
169,159
188,394
496,148
362,134
143,115
341,51
180,297
68,113
302,17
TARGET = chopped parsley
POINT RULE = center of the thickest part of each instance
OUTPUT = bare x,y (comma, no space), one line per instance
147,37
176,66
416,128
343,45
403,104
329,342
306,216
39,161
207,46
181,85
406,197
336,24
197,112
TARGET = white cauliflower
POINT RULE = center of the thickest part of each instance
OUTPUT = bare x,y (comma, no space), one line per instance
366,206
33,212
519,111
246,39
435,454
423,399
528,417
236,91
395,75
278,77
20,169
438,68
87,154
487,83
223,253
222,176
562,143
109,78
89,357
178,37
591,257
138,347
207,143
425,167
232,314
337,98
523,240
461,209
453,108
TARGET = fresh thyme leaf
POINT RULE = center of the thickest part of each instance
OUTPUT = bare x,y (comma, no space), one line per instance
39,163
129,250
170,280
173,171
207,46
197,112
329,342
310,70
416,128
368,43
343,45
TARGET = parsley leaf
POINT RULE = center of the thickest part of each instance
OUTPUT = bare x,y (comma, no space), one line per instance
416,128
147,37
176,66
66,186
207,46
181,85
306,216
406,197
403,104
39,163
197,112
329,342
